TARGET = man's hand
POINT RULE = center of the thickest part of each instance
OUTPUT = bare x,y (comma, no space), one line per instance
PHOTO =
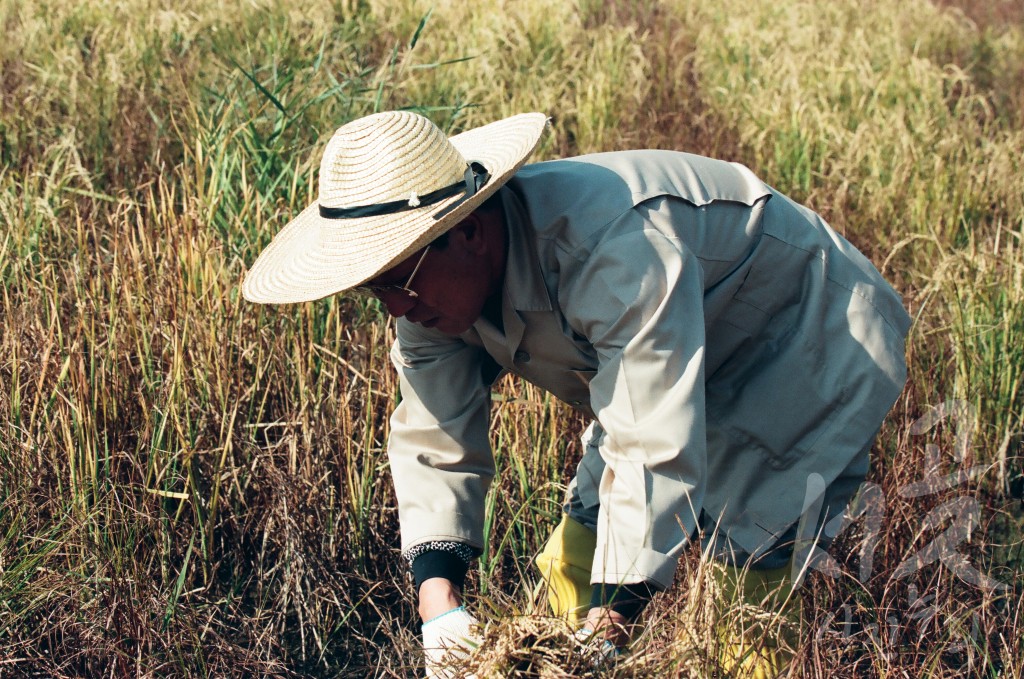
449,631
603,636
609,624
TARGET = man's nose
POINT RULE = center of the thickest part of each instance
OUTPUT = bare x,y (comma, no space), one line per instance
397,303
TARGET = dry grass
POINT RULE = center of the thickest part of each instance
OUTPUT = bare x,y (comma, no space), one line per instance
191,485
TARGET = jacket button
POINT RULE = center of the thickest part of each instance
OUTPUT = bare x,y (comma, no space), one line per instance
521,357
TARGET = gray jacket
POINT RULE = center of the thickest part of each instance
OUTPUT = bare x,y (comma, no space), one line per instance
727,342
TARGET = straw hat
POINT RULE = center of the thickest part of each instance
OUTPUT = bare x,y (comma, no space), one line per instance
390,183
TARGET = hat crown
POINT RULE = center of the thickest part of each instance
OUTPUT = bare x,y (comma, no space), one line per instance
396,155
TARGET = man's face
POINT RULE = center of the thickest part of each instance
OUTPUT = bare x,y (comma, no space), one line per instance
452,284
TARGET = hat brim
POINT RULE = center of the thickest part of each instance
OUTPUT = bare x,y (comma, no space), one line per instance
313,257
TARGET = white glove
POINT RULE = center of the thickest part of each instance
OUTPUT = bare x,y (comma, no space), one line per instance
598,649
450,636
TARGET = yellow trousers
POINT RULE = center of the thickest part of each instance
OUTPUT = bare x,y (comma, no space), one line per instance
749,648
565,564
757,637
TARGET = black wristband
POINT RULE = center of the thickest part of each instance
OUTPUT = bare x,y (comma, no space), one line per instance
629,600
438,564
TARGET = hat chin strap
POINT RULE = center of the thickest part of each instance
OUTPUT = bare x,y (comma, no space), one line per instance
475,178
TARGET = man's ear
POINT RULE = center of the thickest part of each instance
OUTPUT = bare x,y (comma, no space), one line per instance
469,233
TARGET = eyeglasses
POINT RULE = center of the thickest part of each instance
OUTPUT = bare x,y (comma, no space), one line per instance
378,290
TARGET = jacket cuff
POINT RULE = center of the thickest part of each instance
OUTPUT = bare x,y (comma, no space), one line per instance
648,566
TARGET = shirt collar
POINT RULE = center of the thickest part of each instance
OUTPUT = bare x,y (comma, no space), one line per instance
524,286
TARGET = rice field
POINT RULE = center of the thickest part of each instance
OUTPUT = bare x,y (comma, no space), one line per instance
191,485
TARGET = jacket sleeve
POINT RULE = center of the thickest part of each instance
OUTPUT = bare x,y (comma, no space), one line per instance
637,296
439,450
